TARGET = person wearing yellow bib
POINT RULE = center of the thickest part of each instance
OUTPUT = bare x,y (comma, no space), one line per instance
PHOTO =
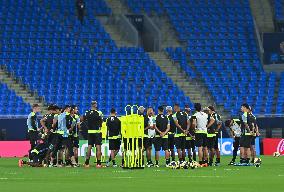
162,127
114,135
94,119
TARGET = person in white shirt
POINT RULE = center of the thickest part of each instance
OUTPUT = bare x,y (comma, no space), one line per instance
201,123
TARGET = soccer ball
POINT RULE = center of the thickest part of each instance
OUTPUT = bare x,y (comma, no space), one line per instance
173,165
257,162
184,165
193,165
276,154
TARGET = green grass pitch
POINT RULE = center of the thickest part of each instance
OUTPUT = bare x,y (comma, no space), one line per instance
269,177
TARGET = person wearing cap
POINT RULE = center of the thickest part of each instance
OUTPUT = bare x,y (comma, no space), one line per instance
217,125
171,133
201,122
94,119
245,141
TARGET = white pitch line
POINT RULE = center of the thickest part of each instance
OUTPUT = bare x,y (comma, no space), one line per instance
197,176
120,171
280,175
3,178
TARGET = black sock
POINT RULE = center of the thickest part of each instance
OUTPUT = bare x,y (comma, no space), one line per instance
200,162
122,161
217,160
190,159
167,161
210,161
234,158
173,159
157,162
194,156
247,160
98,162
180,159
54,161
87,161
24,162
60,161
77,160
113,162
68,162
109,160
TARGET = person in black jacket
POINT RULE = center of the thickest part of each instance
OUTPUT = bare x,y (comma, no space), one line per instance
80,4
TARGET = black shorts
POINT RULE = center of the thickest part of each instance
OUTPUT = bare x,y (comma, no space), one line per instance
95,139
210,142
75,141
114,144
148,142
245,141
33,137
216,146
180,142
129,143
236,142
253,140
57,141
189,143
161,143
200,139
50,137
67,142
171,141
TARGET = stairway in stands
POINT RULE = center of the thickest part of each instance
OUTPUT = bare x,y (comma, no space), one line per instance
20,89
262,12
193,88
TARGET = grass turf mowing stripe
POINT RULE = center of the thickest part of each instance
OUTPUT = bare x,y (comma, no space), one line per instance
269,177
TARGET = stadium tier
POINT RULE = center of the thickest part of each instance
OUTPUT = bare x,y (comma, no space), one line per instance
279,9
220,48
13,104
72,64
280,101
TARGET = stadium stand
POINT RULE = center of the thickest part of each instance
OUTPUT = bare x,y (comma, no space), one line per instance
13,104
280,101
279,9
67,63
221,49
